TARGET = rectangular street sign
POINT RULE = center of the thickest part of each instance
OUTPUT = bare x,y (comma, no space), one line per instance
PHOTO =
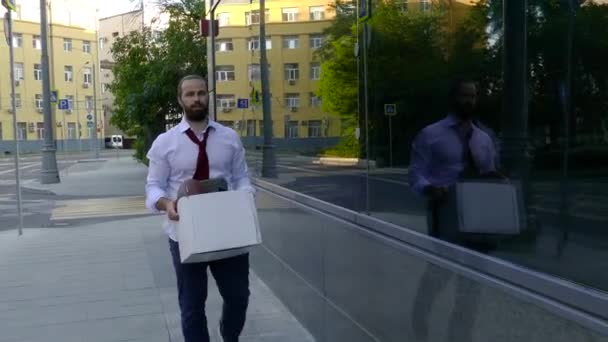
243,103
390,109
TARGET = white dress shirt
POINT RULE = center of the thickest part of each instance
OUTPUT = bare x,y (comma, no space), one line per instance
173,157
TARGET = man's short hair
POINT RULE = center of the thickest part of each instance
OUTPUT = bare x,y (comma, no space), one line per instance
187,78
458,83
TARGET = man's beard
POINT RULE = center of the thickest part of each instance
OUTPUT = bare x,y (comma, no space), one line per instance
464,111
197,114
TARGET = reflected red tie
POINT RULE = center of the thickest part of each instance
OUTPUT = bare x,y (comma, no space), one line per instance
202,162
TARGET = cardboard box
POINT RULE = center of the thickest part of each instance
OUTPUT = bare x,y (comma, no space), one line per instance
217,225
482,208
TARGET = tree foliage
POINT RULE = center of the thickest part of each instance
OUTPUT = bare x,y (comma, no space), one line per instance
414,54
148,66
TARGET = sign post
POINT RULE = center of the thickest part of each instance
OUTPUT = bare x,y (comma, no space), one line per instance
390,110
8,23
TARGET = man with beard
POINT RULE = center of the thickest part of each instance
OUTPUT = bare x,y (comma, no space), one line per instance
199,148
444,153
450,150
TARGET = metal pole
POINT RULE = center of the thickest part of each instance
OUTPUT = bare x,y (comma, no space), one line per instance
390,142
268,158
210,8
366,109
566,97
96,146
515,152
78,115
50,174
15,128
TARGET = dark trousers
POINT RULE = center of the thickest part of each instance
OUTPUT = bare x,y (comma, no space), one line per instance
232,278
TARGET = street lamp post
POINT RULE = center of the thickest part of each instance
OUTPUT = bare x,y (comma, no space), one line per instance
50,173
9,31
268,156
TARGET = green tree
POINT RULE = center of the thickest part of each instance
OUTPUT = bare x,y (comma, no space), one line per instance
147,69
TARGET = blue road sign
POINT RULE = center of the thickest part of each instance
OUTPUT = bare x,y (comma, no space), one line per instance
390,109
243,103
90,117
89,124
54,96
64,104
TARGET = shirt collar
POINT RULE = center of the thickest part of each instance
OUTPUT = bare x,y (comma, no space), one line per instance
183,126
452,120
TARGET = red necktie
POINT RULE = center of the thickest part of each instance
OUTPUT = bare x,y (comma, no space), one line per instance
202,162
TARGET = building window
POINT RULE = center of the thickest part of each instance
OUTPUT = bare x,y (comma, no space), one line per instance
253,44
86,46
291,129
290,42
17,40
1,131
425,5
404,5
315,129
223,19
19,71
225,73
254,72
225,101
115,34
88,76
253,17
71,130
18,12
102,42
317,13
292,100
68,73
17,101
88,103
316,41
315,71
38,101
37,43
21,130
224,45
104,88
40,130
251,128
291,14
292,72
315,101
70,99
38,72
67,44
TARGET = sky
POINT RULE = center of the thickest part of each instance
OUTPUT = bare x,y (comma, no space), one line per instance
112,7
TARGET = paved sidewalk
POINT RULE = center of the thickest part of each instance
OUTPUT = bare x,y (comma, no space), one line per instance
110,282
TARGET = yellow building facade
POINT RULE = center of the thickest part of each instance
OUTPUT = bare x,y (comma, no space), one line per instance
294,33
72,56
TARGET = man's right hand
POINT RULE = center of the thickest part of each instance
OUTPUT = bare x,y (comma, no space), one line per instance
438,194
170,207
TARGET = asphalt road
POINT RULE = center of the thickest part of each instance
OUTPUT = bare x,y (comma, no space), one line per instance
37,205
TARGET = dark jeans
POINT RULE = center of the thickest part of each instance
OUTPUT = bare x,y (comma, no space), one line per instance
232,278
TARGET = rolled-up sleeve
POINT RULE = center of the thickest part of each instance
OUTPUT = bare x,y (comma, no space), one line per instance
418,172
240,171
158,175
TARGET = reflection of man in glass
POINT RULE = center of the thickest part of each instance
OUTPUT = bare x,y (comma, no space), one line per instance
451,149
443,153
